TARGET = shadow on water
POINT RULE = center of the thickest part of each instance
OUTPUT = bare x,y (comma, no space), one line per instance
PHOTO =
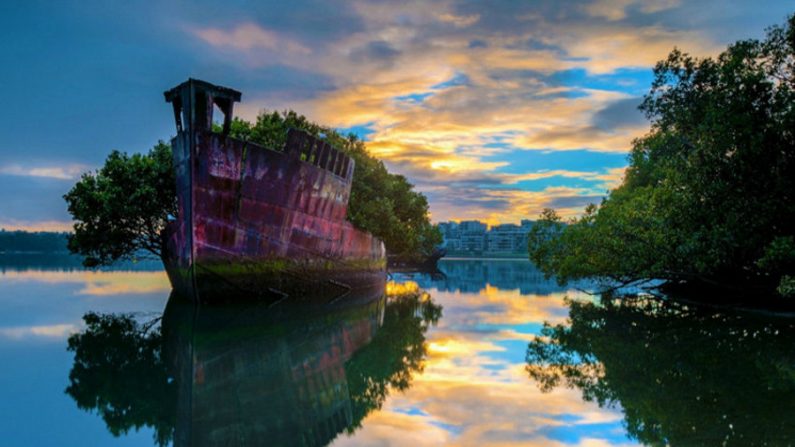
244,375
682,375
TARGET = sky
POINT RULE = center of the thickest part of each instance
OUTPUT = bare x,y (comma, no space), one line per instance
494,110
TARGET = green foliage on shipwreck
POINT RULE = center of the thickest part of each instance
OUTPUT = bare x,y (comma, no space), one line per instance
121,208
707,198
382,203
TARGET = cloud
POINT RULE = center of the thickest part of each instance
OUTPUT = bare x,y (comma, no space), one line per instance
261,46
605,49
459,21
612,178
50,331
618,9
375,50
586,136
619,114
69,172
495,206
574,201
249,36
608,9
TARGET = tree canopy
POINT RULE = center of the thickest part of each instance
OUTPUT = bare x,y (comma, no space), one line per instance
121,209
708,194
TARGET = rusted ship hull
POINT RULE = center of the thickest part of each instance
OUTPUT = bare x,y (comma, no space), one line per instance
256,221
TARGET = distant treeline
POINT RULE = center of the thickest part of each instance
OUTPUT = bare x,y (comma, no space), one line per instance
39,242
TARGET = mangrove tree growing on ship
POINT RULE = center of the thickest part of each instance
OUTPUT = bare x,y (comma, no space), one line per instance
382,203
120,209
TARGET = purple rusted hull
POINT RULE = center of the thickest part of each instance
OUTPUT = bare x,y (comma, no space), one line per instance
267,223
263,223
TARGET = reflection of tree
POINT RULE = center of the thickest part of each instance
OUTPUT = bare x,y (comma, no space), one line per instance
119,372
396,352
124,370
682,376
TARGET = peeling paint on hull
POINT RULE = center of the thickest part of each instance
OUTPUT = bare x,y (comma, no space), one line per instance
255,221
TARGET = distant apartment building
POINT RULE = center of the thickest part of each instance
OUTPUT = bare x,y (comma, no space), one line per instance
474,238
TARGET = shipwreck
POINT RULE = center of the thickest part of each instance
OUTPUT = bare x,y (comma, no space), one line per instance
254,221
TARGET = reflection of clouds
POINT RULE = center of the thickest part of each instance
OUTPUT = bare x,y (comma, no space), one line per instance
472,409
452,347
391,427
96,283
401,287
517,308
48,306
474,389
496,310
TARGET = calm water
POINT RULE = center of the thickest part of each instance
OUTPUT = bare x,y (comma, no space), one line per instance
108,358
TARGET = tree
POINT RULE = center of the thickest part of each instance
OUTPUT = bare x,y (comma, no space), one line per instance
708,194
121,209
681,375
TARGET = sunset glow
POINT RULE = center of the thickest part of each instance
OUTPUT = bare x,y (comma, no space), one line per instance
493,111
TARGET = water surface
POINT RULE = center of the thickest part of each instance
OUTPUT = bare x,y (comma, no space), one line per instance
112,358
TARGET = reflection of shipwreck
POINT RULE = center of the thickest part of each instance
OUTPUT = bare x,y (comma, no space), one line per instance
249,377
248,373
269,220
